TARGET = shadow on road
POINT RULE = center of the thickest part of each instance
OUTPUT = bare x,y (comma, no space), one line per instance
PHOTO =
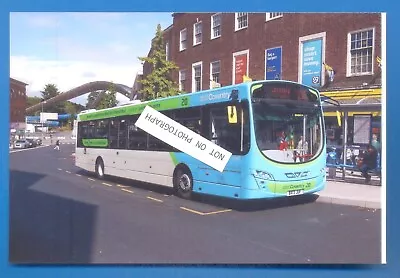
45,228
255,205
223,203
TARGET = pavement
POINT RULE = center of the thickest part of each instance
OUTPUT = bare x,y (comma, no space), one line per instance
352,194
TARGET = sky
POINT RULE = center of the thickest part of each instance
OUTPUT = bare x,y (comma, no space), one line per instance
71,49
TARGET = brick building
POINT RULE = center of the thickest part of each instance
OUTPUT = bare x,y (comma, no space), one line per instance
17,102
303,47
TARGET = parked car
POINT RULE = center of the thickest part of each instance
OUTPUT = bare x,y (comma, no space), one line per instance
30,143
20,144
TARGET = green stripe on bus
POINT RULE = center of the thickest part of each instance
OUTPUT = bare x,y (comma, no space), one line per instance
136,109
173,157
284,187
95,142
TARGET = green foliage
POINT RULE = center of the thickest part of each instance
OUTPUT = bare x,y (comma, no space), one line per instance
50,91
92,98
30,101
102,99
159,82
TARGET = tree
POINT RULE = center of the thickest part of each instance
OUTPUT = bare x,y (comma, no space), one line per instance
109,99
50,91
91,101
30,101
159,82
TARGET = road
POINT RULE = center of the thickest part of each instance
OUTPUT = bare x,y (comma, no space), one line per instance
60,214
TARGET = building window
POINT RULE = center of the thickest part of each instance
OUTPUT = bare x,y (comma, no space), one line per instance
167,51
183,40
196,76
215,71
240,21
197,33
216,26
182,78
271,16
361,44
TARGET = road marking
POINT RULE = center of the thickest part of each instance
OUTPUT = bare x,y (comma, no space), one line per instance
27,149
90,179
59,169
68,172
154,199
119,185
106,184
219,211
127,190
78,175
193,211
205,213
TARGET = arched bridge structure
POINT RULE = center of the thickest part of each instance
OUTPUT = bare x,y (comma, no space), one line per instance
81,90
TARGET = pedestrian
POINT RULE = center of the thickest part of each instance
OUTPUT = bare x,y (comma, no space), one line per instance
368,162
375,143
282,141
57,147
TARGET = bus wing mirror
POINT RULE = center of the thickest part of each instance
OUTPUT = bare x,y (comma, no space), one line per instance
232,114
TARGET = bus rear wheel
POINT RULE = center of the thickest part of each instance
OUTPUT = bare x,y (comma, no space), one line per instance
99,169
183,183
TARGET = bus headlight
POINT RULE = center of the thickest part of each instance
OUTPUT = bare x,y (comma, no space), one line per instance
263,175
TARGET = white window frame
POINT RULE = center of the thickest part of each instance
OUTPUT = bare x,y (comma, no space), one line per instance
167,51
300,54
181,73
247,51
218,26
211,72
237,22
180,39
200,33
193,76
272,16
348,65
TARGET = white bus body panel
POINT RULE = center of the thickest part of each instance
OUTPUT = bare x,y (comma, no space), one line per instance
152,167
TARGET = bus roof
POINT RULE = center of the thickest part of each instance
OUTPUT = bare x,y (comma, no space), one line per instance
173,102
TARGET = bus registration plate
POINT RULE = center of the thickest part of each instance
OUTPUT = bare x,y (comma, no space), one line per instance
295,192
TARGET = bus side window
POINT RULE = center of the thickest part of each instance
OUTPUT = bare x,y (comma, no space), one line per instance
101,129
156,144
122,133
137,138
229,135
190,118
82,133
113,134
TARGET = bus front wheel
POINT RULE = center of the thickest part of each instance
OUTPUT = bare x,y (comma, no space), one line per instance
99,168
183,183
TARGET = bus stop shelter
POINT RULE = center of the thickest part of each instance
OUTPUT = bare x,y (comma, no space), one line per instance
344,110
